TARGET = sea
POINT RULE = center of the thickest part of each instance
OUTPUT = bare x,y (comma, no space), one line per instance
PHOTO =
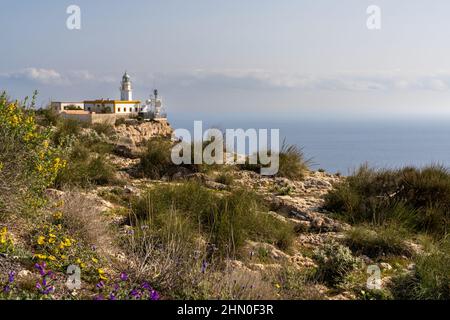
343,144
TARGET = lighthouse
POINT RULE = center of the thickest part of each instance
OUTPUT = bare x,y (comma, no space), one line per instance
126,94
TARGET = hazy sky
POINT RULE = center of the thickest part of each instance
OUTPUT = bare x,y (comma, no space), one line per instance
304,57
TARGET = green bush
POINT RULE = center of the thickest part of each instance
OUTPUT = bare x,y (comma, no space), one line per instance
292,163
334,263
29,162
378,241
225,178
224,220
103,128
156,160
431,277
418,199
85,169
66,128
47,117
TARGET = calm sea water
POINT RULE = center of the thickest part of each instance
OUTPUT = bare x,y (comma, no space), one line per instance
343,145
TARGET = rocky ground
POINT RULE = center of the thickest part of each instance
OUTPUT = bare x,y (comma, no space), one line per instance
298,202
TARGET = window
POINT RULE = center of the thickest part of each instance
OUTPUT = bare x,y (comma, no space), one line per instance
135,109
118,110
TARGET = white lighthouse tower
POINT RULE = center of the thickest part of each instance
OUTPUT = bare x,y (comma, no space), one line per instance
126,94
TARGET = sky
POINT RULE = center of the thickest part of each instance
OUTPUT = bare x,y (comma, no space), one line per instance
257,58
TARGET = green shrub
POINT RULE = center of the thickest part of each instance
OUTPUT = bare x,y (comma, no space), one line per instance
225,220
378,241
65,129
156,160
418,199
292,163
334,263
103,128
296,284
47,117
430,278
225,178
29,162
85,169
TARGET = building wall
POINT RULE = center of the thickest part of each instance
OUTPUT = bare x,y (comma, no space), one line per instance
133,108
91,118
99,106
62,106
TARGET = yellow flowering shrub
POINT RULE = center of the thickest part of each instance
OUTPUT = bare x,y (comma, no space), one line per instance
6,241
53,245
29,163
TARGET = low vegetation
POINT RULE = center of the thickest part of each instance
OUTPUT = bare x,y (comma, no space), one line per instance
417,199
224,220
334,263
292,163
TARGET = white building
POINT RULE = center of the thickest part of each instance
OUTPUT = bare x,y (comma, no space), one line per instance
125,106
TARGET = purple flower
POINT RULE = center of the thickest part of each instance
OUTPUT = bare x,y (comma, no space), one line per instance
123,276
204,266
49,289
100,285
11,276
41,268
116,288
112,297
154,295
7,289
135,294
146,286
99,297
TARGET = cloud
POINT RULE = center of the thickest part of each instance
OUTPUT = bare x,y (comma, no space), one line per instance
245,79
38,75
53,77
345,81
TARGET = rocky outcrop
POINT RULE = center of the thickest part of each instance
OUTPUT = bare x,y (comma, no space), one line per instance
140,133
131,138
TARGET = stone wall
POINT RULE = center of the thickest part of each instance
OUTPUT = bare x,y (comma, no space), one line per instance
109,118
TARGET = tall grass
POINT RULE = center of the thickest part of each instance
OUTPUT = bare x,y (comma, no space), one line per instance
292,162
223,220
156,160
430,278
418,199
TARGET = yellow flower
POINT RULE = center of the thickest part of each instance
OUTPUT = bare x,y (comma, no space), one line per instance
67,242
94,260
41,240
1,166
61,245
64,257
81,264
101,274
58,215
51,240
277,286
40,256
52,258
